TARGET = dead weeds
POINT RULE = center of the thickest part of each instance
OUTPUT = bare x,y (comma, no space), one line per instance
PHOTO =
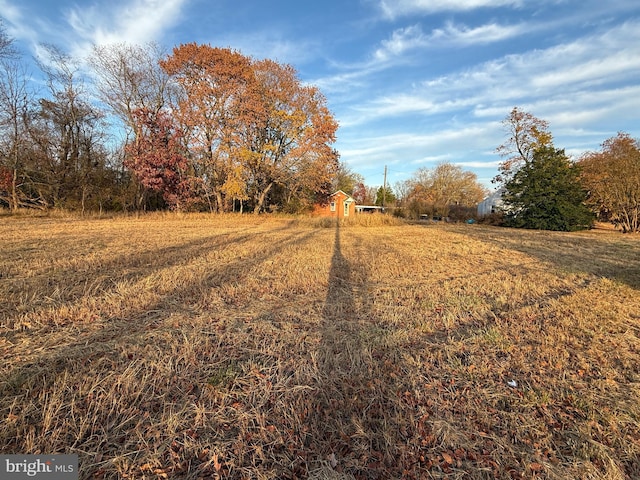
253,347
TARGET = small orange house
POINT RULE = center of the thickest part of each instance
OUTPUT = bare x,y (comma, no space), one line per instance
340,205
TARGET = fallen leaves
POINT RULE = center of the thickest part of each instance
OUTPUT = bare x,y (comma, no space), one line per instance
394,382
535,467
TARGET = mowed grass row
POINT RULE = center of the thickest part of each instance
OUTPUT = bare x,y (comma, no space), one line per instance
236,347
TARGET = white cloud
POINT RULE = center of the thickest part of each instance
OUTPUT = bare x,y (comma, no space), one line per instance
136,21
400,104
342,82
393,50
401,40
15,23
412,37
452,140
463,35
139,21
397,8
586,88
588,107
591,71
10,12
555,74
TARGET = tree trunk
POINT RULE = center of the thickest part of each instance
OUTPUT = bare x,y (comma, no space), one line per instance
208,197
261,198
14,191
220,205
83,199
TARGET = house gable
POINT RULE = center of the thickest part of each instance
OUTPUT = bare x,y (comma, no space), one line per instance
492,203
340,205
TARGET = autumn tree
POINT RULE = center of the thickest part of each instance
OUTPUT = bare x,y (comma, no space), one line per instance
248,130
612,178
451,186
217,101
346,179
252,130
546,194
53,149
402,191
364,195
290,144
129,79
418,198
69,133
157,158
436,191
526,133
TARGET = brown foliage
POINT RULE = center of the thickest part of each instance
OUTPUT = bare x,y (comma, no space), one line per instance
445,187
291,145
218,99
526,133
612,177
250,131
251,126
157,160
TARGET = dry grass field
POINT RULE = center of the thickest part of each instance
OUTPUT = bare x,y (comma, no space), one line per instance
248,347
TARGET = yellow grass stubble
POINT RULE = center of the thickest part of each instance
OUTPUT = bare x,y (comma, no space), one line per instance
244,346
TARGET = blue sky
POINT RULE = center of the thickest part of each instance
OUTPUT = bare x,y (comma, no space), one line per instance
411,82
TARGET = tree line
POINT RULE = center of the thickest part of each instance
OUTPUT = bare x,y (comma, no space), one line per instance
544,189
210,129
199,128
444,191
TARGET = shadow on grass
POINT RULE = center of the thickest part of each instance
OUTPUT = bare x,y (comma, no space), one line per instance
100,278
95,343
355,408
611,255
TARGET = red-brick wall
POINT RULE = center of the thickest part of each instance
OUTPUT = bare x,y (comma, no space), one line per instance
338,198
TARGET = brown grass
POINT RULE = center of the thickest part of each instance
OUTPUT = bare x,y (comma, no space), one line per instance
235,347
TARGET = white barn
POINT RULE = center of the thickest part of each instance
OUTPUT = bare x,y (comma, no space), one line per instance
491,204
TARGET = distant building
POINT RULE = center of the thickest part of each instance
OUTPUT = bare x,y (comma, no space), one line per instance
369,209
492,204
340,205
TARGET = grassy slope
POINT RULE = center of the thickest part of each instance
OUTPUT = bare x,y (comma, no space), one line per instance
243,347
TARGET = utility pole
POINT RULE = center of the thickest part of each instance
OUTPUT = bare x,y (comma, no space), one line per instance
384,188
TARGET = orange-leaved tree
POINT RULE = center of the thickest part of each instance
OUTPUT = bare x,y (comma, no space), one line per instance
436,191
253,131
290,147
612,179
218,98
526,133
